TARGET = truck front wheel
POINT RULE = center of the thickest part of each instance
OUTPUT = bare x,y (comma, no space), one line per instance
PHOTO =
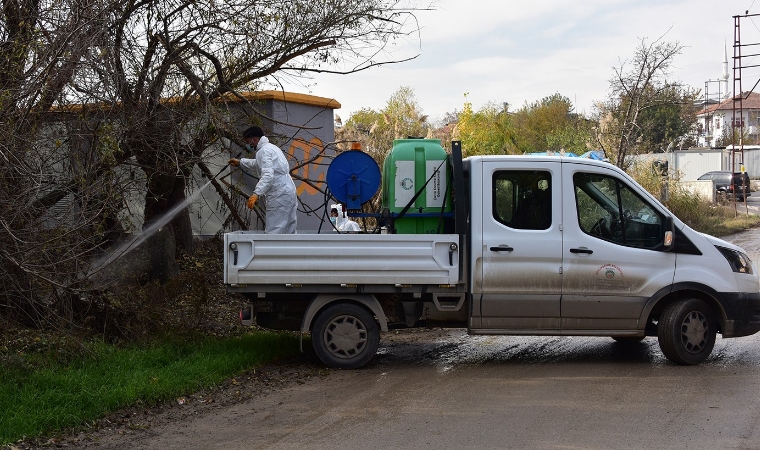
345,336
686,331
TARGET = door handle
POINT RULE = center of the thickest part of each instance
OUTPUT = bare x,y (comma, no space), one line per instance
502,248
581,250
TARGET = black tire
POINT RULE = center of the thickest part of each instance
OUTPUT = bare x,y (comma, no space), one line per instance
686,331
345,336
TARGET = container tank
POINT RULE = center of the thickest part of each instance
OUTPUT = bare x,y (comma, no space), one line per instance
413,165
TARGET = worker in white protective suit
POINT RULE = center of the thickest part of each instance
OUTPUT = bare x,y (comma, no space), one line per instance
275,182
342,223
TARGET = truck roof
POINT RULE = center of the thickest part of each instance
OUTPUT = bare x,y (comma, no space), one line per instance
539,158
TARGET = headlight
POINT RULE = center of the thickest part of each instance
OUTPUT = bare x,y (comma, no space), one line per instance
739,262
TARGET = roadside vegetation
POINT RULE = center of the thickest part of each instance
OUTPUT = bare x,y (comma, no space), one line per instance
42,392
166,341
721,218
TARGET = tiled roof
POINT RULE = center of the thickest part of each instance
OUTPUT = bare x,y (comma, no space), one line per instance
750,100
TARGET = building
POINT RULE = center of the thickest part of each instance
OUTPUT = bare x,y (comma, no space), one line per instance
301,125
716,122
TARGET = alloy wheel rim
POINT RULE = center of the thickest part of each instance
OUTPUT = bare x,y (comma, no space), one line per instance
345,337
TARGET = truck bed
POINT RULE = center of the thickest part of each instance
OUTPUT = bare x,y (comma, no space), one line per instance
256,259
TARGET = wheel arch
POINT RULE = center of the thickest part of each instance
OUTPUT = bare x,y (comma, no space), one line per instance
679,291
320,302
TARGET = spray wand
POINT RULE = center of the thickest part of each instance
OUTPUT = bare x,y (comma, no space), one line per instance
226,166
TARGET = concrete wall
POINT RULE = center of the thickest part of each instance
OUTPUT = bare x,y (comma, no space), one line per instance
704,188
692,163
303,127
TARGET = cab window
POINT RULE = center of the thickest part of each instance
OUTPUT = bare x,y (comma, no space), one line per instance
609,210
522,199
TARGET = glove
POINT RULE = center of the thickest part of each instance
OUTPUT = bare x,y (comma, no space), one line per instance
234,162
252,201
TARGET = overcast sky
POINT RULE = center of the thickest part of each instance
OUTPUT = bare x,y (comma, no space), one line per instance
517,52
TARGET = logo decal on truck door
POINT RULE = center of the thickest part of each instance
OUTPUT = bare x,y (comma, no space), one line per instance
610,270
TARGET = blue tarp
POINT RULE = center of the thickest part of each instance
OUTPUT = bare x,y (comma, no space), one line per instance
594,154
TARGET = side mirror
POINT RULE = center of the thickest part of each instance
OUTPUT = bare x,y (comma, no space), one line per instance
668,241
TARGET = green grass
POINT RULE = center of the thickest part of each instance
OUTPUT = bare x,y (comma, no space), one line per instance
41,400
717,219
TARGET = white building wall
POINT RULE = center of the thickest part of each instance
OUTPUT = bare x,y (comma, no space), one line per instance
690,164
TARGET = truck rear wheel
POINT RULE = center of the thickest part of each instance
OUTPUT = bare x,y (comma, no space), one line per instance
345,336
686,331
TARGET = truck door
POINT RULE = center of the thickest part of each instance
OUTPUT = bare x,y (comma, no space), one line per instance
613,258
519,247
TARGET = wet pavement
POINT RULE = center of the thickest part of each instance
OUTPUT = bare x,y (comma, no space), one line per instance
443,389
749,241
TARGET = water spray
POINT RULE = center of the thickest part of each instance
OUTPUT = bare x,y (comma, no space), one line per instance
152,228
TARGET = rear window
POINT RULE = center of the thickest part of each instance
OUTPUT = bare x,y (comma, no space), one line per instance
741,177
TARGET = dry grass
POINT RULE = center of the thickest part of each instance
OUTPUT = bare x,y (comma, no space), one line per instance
717,219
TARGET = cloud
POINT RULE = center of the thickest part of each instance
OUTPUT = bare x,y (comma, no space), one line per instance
499,51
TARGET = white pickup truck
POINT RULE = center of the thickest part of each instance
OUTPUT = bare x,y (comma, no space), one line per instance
541,246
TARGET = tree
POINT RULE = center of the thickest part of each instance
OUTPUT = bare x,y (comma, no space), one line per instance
668,124
488,131
401,118
94,92
647,110
55,206
548,124
551,124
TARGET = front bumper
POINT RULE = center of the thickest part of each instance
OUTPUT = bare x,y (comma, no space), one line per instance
743,314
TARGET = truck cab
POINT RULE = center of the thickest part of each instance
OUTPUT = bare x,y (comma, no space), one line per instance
568,246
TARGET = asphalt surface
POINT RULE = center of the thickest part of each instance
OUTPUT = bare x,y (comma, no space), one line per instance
444,389
448,390
752,205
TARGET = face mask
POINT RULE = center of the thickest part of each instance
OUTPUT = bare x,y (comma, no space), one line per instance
249,148
333,219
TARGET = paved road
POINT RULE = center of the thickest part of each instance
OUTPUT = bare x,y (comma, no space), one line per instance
454,391
447,390
752,205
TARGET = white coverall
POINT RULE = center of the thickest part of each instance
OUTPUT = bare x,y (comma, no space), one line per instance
344,224
276,185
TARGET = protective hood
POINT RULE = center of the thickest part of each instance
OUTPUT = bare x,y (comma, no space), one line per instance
341,217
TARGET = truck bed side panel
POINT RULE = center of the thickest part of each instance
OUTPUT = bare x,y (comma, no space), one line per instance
346,258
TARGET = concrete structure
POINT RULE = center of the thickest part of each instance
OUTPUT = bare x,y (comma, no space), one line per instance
303,127
690,164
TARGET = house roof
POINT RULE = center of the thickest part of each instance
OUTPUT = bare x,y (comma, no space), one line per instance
750,100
